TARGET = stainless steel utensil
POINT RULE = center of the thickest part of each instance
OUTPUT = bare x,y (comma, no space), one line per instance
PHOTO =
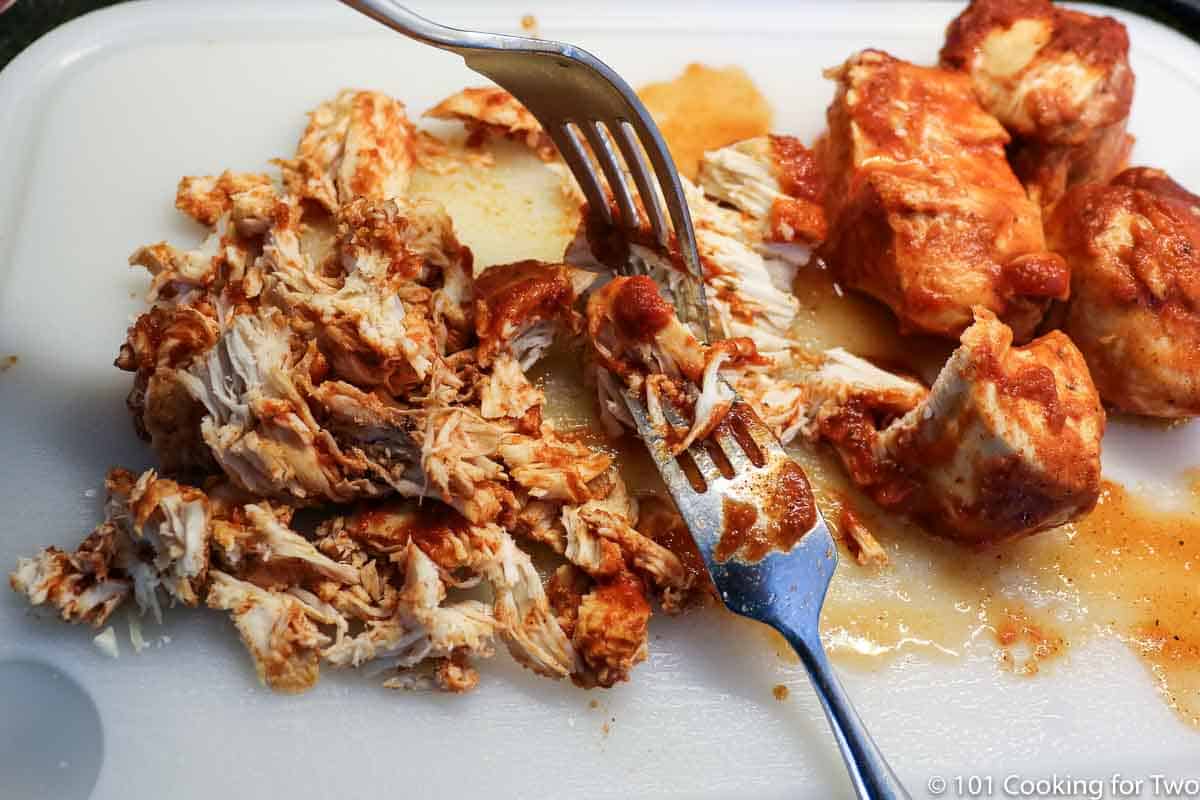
578,99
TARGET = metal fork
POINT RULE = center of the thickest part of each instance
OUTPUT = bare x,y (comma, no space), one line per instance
578,99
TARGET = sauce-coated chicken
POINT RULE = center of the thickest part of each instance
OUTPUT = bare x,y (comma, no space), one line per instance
1057,79
1134,250
924,212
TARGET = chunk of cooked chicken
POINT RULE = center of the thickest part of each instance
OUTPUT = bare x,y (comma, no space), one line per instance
610,629
553,467
1057,79
169,524
773,179
163,340
924,212
1049,170
825,385
360,144
1008,441
491,110
520,307
258,425
209,197
77,585
1134,250
635,335
155,535
276,628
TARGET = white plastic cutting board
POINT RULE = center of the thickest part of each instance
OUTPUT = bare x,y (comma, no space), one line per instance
99,120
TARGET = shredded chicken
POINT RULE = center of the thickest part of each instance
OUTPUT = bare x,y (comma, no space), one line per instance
821,386
635,336
70,582
155,536
551,467
207,198
859,539
276,628
775,181
520,307
490,110
358,145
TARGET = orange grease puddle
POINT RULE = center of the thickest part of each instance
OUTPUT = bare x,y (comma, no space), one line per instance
1127,570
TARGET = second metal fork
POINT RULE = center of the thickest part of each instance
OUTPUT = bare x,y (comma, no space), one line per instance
590,112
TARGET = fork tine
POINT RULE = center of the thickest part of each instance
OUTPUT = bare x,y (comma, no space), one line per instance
601,143
704,462
672,473
635,160
759,432
567,141
733,450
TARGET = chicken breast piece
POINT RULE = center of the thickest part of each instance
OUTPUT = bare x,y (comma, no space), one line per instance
925,214
520,307
491,110
610,630
1057,79
277,630
78,585
1008,441
155,535
1134,250
359,144
162,341
207,198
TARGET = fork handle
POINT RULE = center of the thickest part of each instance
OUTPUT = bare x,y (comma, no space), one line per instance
870,773
400,19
